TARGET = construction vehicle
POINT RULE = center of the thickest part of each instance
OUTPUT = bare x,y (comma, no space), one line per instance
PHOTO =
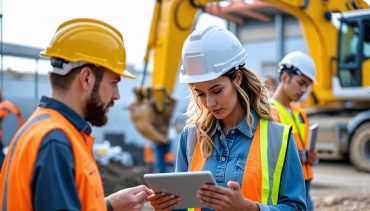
339,101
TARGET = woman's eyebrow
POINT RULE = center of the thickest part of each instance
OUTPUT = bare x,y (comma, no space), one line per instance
215,86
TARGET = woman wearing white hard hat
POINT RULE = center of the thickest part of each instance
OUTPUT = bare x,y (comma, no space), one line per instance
230,132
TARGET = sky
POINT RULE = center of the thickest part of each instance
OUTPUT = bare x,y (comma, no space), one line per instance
33,22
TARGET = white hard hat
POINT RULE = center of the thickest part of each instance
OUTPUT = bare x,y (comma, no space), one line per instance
299,62
209,53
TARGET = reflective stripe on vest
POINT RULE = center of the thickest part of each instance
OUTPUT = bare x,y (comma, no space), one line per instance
17,171
263,169
300,125
299,121
7,162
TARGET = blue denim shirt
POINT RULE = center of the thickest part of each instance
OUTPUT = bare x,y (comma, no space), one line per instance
53,180
228,160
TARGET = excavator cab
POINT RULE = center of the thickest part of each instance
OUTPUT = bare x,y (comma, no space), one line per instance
354,51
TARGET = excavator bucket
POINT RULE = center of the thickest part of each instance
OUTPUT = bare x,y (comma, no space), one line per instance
151,113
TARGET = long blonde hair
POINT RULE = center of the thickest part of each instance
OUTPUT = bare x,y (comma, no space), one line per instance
251,93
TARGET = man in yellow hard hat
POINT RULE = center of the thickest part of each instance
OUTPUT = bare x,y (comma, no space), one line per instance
49,164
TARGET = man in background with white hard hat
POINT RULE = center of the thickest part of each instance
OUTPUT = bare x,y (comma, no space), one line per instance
49,164
297,73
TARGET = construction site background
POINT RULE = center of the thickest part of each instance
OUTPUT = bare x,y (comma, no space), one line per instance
336,185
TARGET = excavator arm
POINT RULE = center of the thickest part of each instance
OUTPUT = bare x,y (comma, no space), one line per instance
321,37
172,22
320,34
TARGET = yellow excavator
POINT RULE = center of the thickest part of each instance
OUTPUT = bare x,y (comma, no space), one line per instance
339,101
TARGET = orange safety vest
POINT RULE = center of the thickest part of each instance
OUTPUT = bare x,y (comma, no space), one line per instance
148,154
261,178
5,108
17,170
149,157
300,125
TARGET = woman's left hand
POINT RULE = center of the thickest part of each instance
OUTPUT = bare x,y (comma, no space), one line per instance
220,198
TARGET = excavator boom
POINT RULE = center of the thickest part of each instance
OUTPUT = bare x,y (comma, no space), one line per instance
321,37
173,21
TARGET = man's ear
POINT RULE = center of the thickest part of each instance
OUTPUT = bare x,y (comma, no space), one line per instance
86,78
284,77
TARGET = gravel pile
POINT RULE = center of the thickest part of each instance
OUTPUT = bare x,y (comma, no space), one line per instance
115,176
339,202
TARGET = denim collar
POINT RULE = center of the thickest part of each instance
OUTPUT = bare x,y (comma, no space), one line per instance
81,124
242,126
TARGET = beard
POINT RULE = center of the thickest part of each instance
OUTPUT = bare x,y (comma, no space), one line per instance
96,110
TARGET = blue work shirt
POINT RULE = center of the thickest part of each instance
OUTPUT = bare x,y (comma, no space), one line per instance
229,157
53,180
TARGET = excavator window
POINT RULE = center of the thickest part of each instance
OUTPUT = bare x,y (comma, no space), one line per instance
366,45
349,72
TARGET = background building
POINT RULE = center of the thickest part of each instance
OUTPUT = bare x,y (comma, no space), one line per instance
266,32
267,37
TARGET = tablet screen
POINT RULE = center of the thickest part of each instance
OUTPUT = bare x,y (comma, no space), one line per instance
183,184
313,135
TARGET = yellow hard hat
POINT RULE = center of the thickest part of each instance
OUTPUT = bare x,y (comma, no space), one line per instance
92,41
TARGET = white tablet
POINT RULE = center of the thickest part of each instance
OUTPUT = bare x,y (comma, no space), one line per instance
183,184
314,128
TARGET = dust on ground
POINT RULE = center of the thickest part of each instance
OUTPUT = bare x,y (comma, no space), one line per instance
339,186
115,176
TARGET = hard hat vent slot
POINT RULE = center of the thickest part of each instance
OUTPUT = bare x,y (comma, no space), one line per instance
196,65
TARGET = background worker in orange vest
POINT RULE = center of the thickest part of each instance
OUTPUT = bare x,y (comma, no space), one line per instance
49,164
253,160
7,107
297,72
161,157
164,159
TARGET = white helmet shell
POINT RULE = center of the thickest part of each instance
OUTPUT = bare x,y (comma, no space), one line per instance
209,53
302,62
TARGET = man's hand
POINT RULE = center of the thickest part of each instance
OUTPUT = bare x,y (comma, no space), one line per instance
130,199
312,156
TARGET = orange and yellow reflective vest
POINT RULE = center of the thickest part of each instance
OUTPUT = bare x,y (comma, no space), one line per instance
263,169
149,155
5,108
300,125
17,170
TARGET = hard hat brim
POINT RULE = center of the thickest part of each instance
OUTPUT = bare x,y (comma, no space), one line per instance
125,73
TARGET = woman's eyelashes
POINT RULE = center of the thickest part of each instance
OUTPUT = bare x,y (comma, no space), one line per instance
215,92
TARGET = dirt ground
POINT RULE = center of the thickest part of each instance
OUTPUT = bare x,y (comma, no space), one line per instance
337,186
115,176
